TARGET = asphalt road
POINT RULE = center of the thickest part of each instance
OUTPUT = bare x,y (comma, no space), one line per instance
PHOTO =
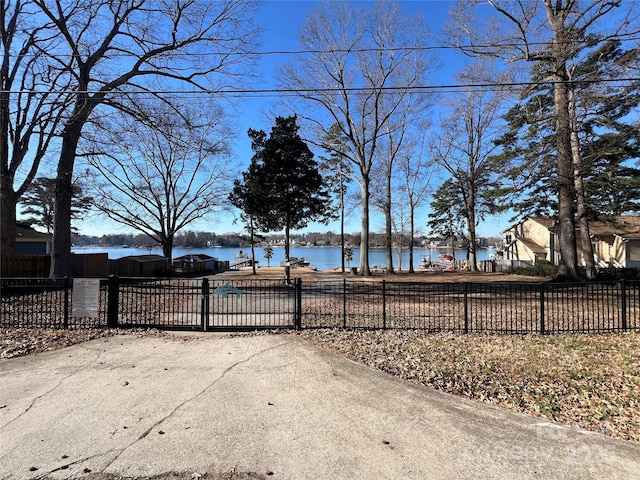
271,404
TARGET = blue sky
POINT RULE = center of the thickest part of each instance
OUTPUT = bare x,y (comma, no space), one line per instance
281,21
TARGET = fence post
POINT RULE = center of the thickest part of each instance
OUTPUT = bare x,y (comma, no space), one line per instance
384,304
542,308
466,307
623,288
113,301
66,302
344,303
298,303
204,304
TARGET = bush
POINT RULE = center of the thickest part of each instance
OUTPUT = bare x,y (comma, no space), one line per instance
542,268
612,273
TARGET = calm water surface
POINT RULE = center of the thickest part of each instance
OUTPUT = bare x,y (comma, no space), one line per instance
322,258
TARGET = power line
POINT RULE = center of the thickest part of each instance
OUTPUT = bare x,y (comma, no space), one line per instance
424,48
269,92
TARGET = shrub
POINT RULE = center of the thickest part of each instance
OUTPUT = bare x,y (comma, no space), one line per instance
542,268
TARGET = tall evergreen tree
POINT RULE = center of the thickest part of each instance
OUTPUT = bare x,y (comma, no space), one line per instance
555,34
282,189
605,139
39,200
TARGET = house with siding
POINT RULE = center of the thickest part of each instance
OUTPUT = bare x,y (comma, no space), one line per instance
616,242
32,242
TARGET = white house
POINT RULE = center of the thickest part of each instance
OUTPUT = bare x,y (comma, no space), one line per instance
616,243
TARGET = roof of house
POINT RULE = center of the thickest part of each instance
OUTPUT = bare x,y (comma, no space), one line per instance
198,256
25,233
144,258
546,222
533,246
625,226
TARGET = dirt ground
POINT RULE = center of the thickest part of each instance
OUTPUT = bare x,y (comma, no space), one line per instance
311,274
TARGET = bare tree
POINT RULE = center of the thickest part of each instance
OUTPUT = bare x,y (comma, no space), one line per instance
395,143
360,68
337,172
464,147
119,49
552,32
416,170
32,103
160,176
401,225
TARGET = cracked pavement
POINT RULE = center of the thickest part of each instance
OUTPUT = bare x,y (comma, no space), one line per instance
271,404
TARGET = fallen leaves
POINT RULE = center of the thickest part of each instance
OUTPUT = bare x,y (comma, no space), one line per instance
589,381
16,342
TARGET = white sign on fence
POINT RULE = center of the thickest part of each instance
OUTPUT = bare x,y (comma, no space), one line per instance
86,297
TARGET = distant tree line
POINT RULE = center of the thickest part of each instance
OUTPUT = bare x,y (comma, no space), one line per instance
193,239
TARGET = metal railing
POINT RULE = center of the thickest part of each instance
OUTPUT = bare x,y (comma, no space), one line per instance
249,304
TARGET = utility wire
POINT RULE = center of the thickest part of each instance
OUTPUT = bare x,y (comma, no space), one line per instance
269,92
424,48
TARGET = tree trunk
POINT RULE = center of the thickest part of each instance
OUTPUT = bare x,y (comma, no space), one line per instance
8,222
399,251
388,228
9,199
411,238
287,258
568,268
167,248
471,227
342,222
61,251
253,246
581,206
364,239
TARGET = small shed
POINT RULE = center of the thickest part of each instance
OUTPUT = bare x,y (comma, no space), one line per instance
139,266
193,263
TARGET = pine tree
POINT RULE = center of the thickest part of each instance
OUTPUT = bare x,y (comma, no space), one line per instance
609,140
282,188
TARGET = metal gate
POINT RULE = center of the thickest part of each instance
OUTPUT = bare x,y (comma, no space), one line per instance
250,304
208,304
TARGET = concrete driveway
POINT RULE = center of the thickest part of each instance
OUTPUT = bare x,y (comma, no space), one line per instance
270,404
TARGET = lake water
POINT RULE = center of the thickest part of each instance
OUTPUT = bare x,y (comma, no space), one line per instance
322,258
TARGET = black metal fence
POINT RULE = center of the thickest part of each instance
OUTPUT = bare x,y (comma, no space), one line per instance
248,304
475,307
